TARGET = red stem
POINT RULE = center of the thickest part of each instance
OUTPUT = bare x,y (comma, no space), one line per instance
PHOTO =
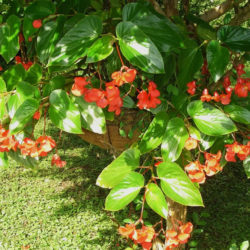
119,54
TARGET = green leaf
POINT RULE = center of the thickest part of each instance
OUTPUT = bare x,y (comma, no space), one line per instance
48,36
244,245
154,134
56,82
194,133
76,41
177,186
163,33
63,113
156,200
13,75
217,59
34,74
207,141
3,160
235,37
125,192
246,165
100,49
174,139
113,174
9,45
138,49
238,113
23,114
128,102
25,161
93,116
2,85
2,108
190,61
210,120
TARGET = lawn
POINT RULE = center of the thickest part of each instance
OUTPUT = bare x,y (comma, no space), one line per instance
52,208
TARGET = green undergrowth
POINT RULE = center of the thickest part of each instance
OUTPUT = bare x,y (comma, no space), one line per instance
53,208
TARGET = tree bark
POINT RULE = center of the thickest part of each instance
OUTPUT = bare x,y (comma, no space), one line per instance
242,15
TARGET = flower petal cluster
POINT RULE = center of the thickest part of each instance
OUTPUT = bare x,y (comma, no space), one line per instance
242,151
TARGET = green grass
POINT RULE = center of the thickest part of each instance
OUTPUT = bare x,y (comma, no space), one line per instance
52,208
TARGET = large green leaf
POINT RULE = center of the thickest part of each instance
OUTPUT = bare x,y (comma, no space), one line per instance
210,120
3,160
2,98
156,200
56,82
76,41
13,75
113,174
25,161
100,49
23,114
177,186
9,45
63,113
217,59
125,192
163,33
93,116
154,134
34,74
238,113
174,139
190,61
235,37
138,49
48,36
207,141
246,165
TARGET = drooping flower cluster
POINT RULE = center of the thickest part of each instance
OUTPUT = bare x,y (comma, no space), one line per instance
56,160
197,172
191,87
125,75
180,236
26,65
242,151
149,99
142,236
191,143
7,141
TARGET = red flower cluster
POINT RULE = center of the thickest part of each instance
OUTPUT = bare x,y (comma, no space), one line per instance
1,68
240,69
25,65
37,115
7,141
191,87
181,236
142,236
78,88
149,99
37,23
191,143
197,172
223,98
242,151
242,87
56,160
125,75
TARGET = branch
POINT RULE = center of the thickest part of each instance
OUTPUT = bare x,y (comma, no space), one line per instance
171,7
219,10
242,15
157,7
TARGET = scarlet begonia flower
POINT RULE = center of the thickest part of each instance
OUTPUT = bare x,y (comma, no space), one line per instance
226,82
37,115
127,231
191,87
25,65
114,100
186,228
129,75
97,96
216,97
196,172
45,144
144,236
1,68
212,163
241,88
158,163
240,69
125,75
205,96
78,88
56,160
225,99
29,148
242,151
7,141
191,143
37,23
183,238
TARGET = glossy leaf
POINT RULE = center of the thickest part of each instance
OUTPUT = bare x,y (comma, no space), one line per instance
125,192
9,45
114,173
190,61
154,134
138,49
34,74
238,113
76,41
13,75
246,165
100,49
63,113
217,59
3,160
56,82
174,139
207,141
48,36
194,133
93,116
24,161
177,186
156,200
23,114
210,120
235,37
